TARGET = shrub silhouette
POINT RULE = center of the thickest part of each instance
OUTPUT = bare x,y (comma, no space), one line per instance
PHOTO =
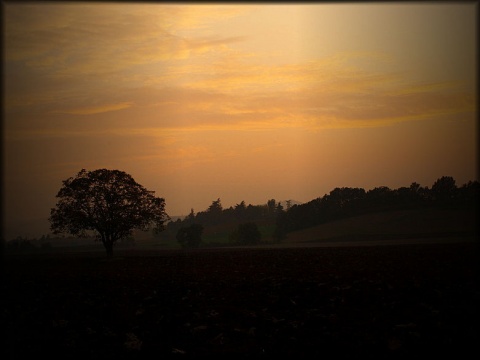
190,236
246,234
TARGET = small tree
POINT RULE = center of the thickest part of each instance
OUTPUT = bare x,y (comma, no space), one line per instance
246,234
108,202
190,236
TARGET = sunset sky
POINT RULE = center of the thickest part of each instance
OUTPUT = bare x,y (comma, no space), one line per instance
238,102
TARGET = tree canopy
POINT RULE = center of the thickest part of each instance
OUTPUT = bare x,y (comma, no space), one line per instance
108,202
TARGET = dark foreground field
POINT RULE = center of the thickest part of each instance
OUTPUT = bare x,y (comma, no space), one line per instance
373,300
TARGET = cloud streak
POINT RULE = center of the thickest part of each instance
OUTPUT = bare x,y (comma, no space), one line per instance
95,109
163,111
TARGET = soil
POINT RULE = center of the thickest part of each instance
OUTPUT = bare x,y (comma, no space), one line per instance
396,300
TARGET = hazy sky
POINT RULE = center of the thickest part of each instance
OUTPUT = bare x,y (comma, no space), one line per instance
237,102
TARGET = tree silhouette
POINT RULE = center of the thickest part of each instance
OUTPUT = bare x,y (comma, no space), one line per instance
107,202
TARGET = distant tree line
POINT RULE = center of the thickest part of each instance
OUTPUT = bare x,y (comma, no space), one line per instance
216,214
25,244
339,203
345,202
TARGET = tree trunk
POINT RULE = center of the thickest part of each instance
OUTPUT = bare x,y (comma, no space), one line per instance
107,241
109,248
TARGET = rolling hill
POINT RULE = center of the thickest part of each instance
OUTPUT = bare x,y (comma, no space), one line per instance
398,224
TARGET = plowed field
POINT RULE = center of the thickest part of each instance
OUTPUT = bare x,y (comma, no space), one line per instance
371,300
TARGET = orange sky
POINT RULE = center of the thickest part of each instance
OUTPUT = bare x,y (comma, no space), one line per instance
238,102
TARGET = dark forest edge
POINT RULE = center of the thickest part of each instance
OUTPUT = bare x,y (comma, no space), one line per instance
272,222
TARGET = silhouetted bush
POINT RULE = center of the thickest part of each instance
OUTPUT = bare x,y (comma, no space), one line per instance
246,234
190,236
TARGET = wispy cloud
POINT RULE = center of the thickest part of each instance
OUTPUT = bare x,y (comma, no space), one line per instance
88,61
88,39
96,109
162,112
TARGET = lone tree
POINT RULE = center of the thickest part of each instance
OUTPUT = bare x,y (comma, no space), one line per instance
108,202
